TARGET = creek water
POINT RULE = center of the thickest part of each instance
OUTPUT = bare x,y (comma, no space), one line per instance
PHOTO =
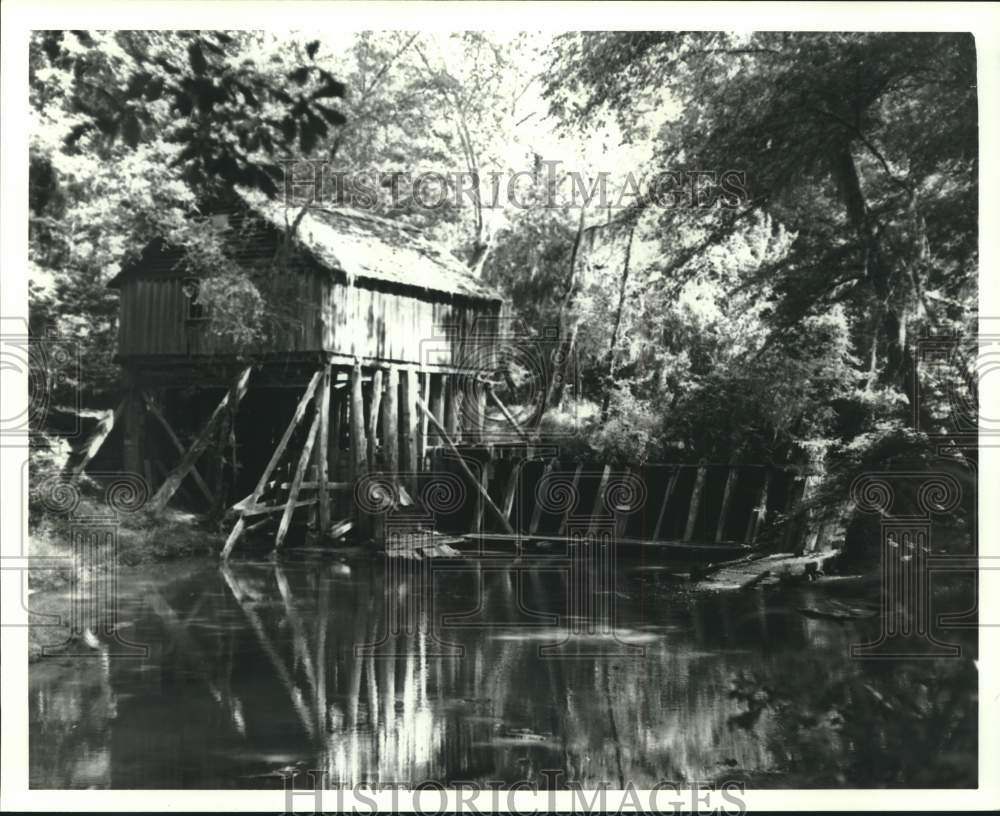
488,670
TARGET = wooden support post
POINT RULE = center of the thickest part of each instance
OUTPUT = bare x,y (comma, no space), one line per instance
599,500
410,424
667,494
390,424
323,450
251,500
453,408
621,519
575,490
699,486
758,514
436,403
497,513
727,497
510,490
373,415
170,485
508,416
484,487
293,493
359,448
425,395
135,432
536,512
89,449
155,412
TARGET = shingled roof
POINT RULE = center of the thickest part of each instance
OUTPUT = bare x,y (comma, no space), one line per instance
360,245
365,246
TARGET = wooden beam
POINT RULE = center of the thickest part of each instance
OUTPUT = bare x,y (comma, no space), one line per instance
323,450
293,493
727,497
498,514
251,500
699,486
675,473
134,422
359,448
510,490
621,519
758,514
599,499
390,423
410,424
97,437
536,511
484,486
373,415
425,390
453,408
507,415
176,476
438,385
569,509
179,446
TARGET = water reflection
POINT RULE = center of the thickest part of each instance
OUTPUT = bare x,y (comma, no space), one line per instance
474,671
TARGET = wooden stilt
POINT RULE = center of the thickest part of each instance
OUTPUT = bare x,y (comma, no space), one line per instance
293,493
373,416
727,497
699,486
536,513
508,416
436,403
135,432
89,449
484,486
576,492
323,450
758,515
390,424
599,500
497,513
155,412
170,485
453,408
410,423
621,518
667,494
359,447
510,490
251,500
425,392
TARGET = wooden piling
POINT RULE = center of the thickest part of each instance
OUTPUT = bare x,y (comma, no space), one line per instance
359,447
410,424
176,476
758,514
293,493
323,450
373,417
699,486
251,500
675,473
727,497
390,423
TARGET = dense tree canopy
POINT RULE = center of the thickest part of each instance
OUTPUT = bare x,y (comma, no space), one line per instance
771,316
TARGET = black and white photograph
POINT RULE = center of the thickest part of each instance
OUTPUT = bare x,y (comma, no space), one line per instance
442,408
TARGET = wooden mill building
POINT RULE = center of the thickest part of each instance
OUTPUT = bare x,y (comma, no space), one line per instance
371,332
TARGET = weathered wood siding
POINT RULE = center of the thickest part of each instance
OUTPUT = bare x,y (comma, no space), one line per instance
356,320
